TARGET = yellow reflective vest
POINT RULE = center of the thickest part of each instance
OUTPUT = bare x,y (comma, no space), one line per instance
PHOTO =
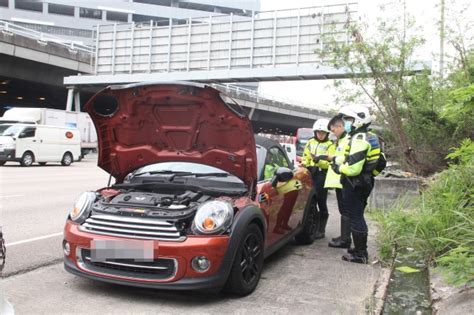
315,147
333,180
269,170
361,154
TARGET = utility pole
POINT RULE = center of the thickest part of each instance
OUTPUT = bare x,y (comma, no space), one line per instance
441,41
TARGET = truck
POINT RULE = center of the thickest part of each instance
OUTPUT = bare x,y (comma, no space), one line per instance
56,117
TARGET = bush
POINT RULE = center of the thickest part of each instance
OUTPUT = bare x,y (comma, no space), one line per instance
440,224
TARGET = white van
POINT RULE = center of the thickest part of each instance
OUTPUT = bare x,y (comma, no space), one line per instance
27,143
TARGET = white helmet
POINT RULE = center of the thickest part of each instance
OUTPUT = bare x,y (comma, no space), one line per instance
321,125
360,114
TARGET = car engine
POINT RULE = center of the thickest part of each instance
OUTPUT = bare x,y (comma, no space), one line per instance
150,204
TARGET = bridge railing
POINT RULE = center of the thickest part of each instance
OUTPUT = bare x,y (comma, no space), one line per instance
280,102
284,38
43,38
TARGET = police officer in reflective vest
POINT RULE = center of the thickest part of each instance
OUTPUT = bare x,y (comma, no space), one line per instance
333,180
356,167
315,157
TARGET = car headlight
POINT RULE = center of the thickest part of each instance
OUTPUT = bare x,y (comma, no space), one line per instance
82,206
213,217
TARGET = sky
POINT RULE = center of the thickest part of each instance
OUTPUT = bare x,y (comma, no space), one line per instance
321,93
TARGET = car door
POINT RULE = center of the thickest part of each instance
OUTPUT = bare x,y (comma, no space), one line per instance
282,204
27,142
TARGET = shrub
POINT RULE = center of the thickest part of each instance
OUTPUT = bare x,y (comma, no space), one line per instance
439,226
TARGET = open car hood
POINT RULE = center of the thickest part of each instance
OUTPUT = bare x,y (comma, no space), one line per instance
142,124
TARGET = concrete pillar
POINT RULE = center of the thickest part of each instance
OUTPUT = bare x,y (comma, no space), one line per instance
11,4
104,15
252,111
45,8
76,12
77,101
70,99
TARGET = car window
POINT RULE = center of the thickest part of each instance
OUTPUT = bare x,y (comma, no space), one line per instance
279,157
274,158
28,132
261,154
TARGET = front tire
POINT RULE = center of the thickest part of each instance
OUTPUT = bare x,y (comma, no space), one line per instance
2,163
310,227
248,263
67,159
27,159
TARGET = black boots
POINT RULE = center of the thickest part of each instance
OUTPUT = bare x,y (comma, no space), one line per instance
323,221
359,253
344,241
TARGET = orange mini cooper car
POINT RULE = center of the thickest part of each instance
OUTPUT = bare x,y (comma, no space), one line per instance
198,200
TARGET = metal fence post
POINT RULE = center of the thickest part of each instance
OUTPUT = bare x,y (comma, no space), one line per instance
169,43
114,41
252,42
209,44
231,17
298,38
274,37
97,50
189,44
150,46
132,44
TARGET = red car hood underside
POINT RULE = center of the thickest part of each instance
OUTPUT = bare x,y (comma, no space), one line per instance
171,122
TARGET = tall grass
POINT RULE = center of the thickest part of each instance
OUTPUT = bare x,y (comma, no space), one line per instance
439,226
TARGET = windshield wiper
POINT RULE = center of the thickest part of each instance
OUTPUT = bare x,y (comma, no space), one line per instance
179,174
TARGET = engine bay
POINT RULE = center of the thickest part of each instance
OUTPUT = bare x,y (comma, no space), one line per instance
168,205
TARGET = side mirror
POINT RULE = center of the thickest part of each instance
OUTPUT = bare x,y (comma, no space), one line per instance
283,174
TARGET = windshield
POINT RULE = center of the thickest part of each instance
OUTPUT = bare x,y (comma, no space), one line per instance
180,167
10,130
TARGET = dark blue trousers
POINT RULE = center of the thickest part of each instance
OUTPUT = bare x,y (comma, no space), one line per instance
355,199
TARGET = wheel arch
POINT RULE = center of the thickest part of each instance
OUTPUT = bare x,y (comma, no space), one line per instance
246,216
31,152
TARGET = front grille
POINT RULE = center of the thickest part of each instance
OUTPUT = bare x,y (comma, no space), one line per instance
132,227
158,269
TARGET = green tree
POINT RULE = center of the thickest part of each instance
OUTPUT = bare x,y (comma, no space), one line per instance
423,115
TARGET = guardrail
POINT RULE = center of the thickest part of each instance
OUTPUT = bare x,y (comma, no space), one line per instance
282,101
43,38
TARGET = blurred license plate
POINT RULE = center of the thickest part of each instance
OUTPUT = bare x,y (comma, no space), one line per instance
103,250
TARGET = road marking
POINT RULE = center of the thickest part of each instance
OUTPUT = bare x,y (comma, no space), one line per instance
11,196
33,239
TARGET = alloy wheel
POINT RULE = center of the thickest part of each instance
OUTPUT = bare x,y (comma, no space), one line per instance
249,263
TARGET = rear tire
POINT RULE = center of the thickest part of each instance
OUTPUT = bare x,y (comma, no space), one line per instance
67,159
248,263
27,159
42,163
310,226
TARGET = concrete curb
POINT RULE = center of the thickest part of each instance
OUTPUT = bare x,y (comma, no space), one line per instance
448,299
380,290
